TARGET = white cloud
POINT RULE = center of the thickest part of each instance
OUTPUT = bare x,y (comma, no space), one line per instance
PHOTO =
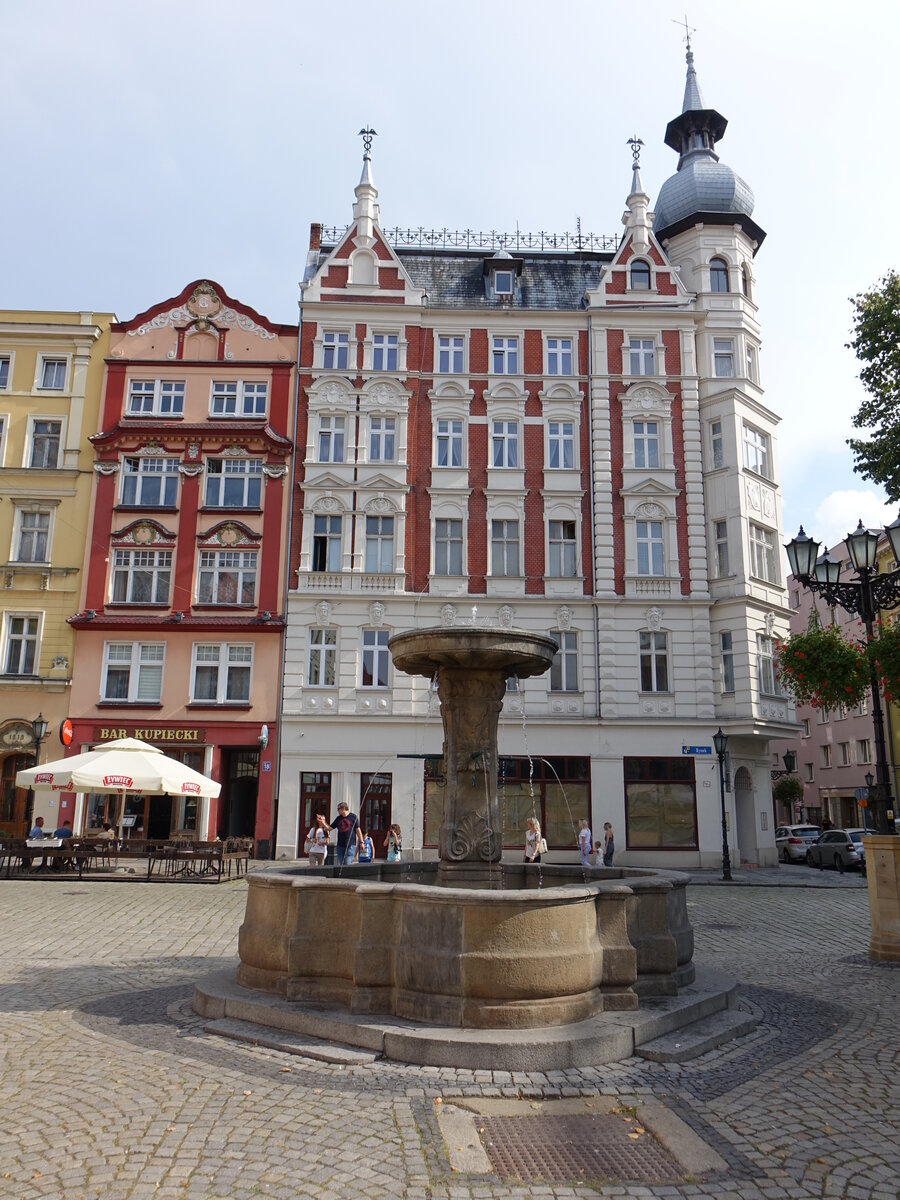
838,514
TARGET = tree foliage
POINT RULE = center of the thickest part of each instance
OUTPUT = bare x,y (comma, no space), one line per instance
788,788
876,343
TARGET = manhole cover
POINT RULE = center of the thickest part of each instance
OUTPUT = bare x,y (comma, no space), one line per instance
574,1147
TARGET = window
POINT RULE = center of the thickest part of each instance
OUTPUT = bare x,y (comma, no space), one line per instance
150,482
559,356
646,443
45,439
448,546
375,658
385,351
756,451
379,545
326,554
505,355
762,554
4,372
221,673
505,444
450,354
382,439
640,275
233,482
862,708
564,667
825,753
224,400
505,548
641,356
563,556
720,529
335,350
322,657
650,556
33,536
765,665
654,662
718,275
331,439
717,444
53,374
840,713
808,767
723,358
503,283
726,653
21,645
155,397
133,671
449,443
745,280
660,804
804,725
227,577
752,373
794,598
844,754
561,445
141,576
864,750
822,716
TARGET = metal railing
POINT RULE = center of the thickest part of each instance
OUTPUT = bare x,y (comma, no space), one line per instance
472,239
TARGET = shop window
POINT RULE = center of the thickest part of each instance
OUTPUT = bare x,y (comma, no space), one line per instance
660,804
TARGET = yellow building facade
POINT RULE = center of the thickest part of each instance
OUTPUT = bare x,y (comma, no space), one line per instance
51,375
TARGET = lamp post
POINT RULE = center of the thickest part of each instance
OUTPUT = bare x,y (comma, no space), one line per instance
867,595
720,741
38,732
789,758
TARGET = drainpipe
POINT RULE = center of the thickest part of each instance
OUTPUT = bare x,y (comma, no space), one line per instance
590,404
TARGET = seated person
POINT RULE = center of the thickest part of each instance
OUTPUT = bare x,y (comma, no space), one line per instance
37,830
107,833
64,830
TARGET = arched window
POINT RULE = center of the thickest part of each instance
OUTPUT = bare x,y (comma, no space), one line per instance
745,280
640,275
718,275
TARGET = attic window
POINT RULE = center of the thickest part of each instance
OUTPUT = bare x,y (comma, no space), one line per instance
640,275
503,283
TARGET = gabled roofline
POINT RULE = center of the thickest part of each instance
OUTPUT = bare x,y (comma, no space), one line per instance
184,295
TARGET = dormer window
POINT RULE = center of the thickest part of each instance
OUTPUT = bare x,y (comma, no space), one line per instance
640,275
503,283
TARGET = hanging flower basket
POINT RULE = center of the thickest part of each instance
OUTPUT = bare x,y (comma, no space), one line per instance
821,668
788,789
883,652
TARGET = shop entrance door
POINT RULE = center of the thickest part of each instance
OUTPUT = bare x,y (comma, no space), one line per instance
237,808
16,804
159,818
315,798
375,808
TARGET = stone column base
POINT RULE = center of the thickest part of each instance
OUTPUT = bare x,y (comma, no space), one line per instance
883,875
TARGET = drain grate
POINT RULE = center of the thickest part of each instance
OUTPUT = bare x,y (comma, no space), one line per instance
575,1147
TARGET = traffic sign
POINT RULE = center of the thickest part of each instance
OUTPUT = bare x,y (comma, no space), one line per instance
696,749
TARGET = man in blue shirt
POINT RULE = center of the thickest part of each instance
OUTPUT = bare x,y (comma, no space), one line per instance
347,825
37,830
64,831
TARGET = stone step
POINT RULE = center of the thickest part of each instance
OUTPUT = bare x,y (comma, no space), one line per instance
696,1039
290,1043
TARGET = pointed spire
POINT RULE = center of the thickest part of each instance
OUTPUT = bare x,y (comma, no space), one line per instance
693,100
636,218
697,128
366,211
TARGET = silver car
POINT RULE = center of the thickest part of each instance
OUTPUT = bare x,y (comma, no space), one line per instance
792,841
837,849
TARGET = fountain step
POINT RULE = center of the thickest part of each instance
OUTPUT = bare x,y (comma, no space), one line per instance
607,1037
697,1039
290,1043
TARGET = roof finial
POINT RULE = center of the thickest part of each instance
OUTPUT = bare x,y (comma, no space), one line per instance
693,100
688,30
367,134
635,143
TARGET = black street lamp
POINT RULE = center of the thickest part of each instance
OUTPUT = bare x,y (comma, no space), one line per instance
789,758
867,596
720,741
38,732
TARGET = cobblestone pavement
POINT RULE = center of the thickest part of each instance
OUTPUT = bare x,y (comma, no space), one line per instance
109,1087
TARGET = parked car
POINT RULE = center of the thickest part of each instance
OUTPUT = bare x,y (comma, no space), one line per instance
858,837
837,849
792,841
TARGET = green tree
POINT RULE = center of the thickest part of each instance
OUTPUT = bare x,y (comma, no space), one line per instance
876,343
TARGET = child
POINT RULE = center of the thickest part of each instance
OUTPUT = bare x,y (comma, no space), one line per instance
317,845
393,844
366,849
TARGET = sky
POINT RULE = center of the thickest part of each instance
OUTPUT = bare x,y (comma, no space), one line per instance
149,145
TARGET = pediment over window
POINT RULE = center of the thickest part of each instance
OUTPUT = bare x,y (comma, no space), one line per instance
381,482
326,481
384,393
380,504
504,390
143,533
331,393
645,398
327,504
561,391
452,390
229,533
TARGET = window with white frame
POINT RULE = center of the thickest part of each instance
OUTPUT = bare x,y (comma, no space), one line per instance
150,482
564,667
723,567
804,727
451,348
4,371
322,658
221,673
141,576
32,535
375,658
563,550
53,374
718,275
639,275
654,662
763,560
726,657
641,356
379,545
503,281
840,713
794,598
822,716
646,443
326,548
752,369
559,356
723,358
448,442
757,455
331,438
651,559
385,351
448,546
227,577
505,355
863,750
335,350
505,547
560,445
45,440
808,769
505,443
21,645
133,671
237,397
862,708
717,444
382,439
765,665
825,753
844,754
155,398
233,482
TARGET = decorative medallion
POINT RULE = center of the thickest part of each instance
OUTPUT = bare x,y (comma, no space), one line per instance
651,511
379,504
191,470
563,616
323,613
202,308
647,400
235,452
326,504
770,623
274,472
143,535
107,468
448,615
17,735
754,497
230,535
60,663
376,613
653,616
193,450
505,616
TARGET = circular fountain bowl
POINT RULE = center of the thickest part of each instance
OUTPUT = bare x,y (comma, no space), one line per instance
507,651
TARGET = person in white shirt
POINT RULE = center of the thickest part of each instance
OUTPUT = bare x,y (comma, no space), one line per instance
585,843
317,845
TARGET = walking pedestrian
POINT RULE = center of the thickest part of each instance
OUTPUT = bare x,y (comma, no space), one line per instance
347,825
585,843
316,845
532,840
609,844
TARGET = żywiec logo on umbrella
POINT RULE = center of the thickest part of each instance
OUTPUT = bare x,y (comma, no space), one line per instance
189,786
44,777
125,781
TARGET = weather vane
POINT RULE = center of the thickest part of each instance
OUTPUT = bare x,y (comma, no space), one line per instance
688,30
635,143
367,135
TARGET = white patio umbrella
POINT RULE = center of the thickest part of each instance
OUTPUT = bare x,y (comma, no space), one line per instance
123,765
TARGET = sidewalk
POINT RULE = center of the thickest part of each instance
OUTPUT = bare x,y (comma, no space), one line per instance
792,876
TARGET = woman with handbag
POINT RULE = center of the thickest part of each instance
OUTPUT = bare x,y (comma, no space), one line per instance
534,843
316,845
